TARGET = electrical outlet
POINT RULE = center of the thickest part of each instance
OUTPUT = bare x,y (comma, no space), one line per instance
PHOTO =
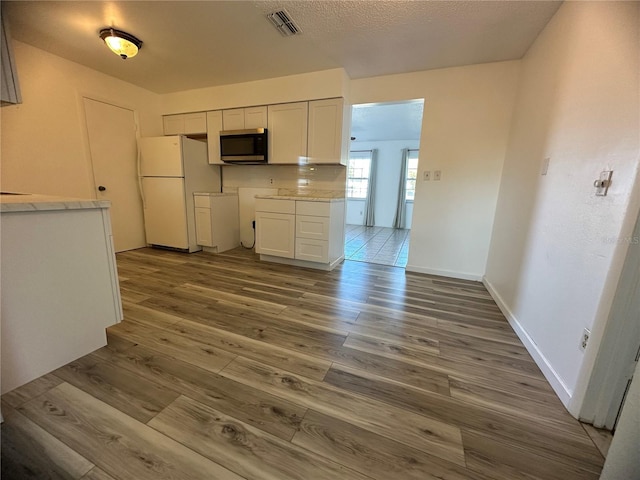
584,339
426,176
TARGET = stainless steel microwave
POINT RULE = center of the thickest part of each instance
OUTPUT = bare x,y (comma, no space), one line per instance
244,146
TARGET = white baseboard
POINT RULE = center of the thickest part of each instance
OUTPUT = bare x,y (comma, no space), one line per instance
444,273
547,370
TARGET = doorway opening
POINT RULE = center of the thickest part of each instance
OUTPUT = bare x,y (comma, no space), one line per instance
381,181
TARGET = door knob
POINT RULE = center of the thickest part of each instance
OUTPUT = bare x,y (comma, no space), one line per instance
102,188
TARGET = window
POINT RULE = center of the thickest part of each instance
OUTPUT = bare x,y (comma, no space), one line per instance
358,173
412,174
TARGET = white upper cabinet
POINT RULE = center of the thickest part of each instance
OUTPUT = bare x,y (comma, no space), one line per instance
233,119
185,124
287,125
195,123
255,117
327,131
242,118
173,124
214,125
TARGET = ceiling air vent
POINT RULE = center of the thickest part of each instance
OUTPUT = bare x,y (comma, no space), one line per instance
283,22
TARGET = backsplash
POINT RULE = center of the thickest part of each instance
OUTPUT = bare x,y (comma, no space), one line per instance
298,178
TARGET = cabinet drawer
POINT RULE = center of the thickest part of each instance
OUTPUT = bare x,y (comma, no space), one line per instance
201,201
312,227
312,250
316,209
275,206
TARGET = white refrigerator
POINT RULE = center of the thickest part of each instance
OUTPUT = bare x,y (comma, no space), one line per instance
172,168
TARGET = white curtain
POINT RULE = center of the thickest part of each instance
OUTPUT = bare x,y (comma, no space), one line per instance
400,218
369,207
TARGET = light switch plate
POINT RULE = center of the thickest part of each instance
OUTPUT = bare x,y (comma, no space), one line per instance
602,183
437,174
426,176
545,166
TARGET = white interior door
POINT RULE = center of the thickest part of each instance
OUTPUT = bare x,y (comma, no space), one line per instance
112,142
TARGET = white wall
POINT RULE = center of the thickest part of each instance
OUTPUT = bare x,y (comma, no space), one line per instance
465,127
293,88
387,181
44,140
555,257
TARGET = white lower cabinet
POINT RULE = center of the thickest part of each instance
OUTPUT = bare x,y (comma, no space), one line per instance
217,221
275,234
307,233
204,235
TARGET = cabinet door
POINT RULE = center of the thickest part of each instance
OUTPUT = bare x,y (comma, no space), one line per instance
214,125
173,124
288,133
195,123
275,234
325,130
255,117
203,227
233,119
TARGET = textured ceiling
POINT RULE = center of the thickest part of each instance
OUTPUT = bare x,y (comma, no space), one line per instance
199,44
387,121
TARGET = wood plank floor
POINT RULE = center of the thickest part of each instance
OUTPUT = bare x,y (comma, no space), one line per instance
229,368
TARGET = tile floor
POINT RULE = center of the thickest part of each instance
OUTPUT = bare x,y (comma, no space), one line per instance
384,246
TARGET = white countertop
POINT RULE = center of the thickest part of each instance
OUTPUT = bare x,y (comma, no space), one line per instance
36,202
216,194
308,195
306,198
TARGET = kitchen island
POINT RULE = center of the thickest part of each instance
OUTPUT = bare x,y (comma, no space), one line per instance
59,283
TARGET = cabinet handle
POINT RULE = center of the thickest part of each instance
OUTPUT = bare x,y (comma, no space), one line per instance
102,188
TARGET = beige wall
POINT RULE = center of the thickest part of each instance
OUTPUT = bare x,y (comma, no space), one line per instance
292,88
557,249
44,147
465,127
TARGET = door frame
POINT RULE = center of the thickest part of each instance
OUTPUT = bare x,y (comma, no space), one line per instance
620,344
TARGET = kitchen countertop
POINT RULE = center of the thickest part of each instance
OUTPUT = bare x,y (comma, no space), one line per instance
307,195
28,202
216,194
306,198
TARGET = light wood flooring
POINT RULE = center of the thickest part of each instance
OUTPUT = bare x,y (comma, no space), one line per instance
229,368
379,245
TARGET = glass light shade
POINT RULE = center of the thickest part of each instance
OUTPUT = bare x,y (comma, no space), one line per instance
121,47
121,43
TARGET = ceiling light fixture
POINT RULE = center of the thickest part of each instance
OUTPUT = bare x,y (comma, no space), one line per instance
121,43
